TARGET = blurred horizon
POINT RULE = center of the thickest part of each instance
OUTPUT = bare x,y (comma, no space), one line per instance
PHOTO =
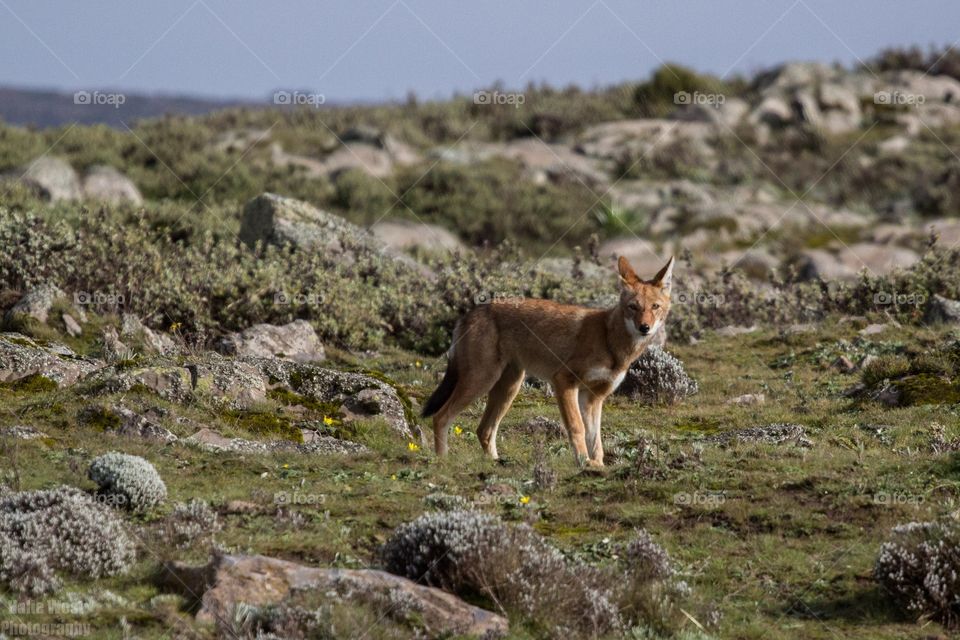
383,51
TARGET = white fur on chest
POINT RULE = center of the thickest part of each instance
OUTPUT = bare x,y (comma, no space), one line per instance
598,375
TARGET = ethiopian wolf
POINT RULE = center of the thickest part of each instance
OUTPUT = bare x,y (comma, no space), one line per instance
583,352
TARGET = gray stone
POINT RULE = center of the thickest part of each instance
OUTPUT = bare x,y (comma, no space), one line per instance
778,433
228,581
942,310
404,235
21,357
34,305
296,340
107,184
54,178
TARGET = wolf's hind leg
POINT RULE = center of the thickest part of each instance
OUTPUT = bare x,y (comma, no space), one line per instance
498,403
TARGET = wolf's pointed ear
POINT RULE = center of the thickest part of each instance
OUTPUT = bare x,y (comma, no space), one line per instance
628,277
664,279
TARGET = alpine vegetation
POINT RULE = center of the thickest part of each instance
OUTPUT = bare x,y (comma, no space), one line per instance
130,480
920,565
190,523
657,377
474,554
62,529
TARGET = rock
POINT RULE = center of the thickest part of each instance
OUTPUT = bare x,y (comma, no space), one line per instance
555,162
847,262
113,347
772,111
942,310
777,433
107,184
875,329
797,74
134,425
733,330
34,305
294,341
73,327
865,361
21,432
152,342
359,395
843,364
646,259
54,178
211,440
165,379
235,383
724,116
21,357
404,235
357,155
614,141
748,399
229,581
273,219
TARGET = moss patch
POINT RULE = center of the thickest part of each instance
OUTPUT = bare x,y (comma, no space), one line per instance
34,383
927,389
266,424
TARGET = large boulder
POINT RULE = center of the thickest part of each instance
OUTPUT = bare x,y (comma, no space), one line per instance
359,395
22,357
846,262
629,140
260,581
404,235
107,184
34,305
273,219
296,340
54,178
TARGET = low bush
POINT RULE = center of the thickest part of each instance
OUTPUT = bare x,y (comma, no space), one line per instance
62,529
919,565
657,377
129,481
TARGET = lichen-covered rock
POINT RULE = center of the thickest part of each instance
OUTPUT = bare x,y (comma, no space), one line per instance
294,341
359,395
135,425
54,178
778,433
60,529
133,330
273,219
211,440
942,310
21,432
167,380
22,357
235,383
106,184
656,377
34,305
130,481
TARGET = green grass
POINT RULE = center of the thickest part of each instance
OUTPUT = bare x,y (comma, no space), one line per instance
781,540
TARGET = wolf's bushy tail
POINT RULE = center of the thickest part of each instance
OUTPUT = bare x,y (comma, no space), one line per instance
443,392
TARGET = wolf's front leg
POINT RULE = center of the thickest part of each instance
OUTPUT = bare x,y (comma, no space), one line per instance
594,439
567,398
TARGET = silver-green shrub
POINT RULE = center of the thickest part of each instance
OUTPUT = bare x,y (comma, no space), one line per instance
62,529
190,523
129,481
920,566
657,377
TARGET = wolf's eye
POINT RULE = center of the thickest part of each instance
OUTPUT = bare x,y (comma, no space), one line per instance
656,306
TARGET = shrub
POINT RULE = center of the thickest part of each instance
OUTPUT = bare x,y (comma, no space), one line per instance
655,98
885,368
190,523
657,377
60,529
474,554
130,481
920,566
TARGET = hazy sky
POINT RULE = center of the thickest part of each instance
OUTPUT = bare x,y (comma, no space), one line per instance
363,50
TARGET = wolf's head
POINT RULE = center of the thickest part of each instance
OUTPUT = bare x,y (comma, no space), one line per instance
645,303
